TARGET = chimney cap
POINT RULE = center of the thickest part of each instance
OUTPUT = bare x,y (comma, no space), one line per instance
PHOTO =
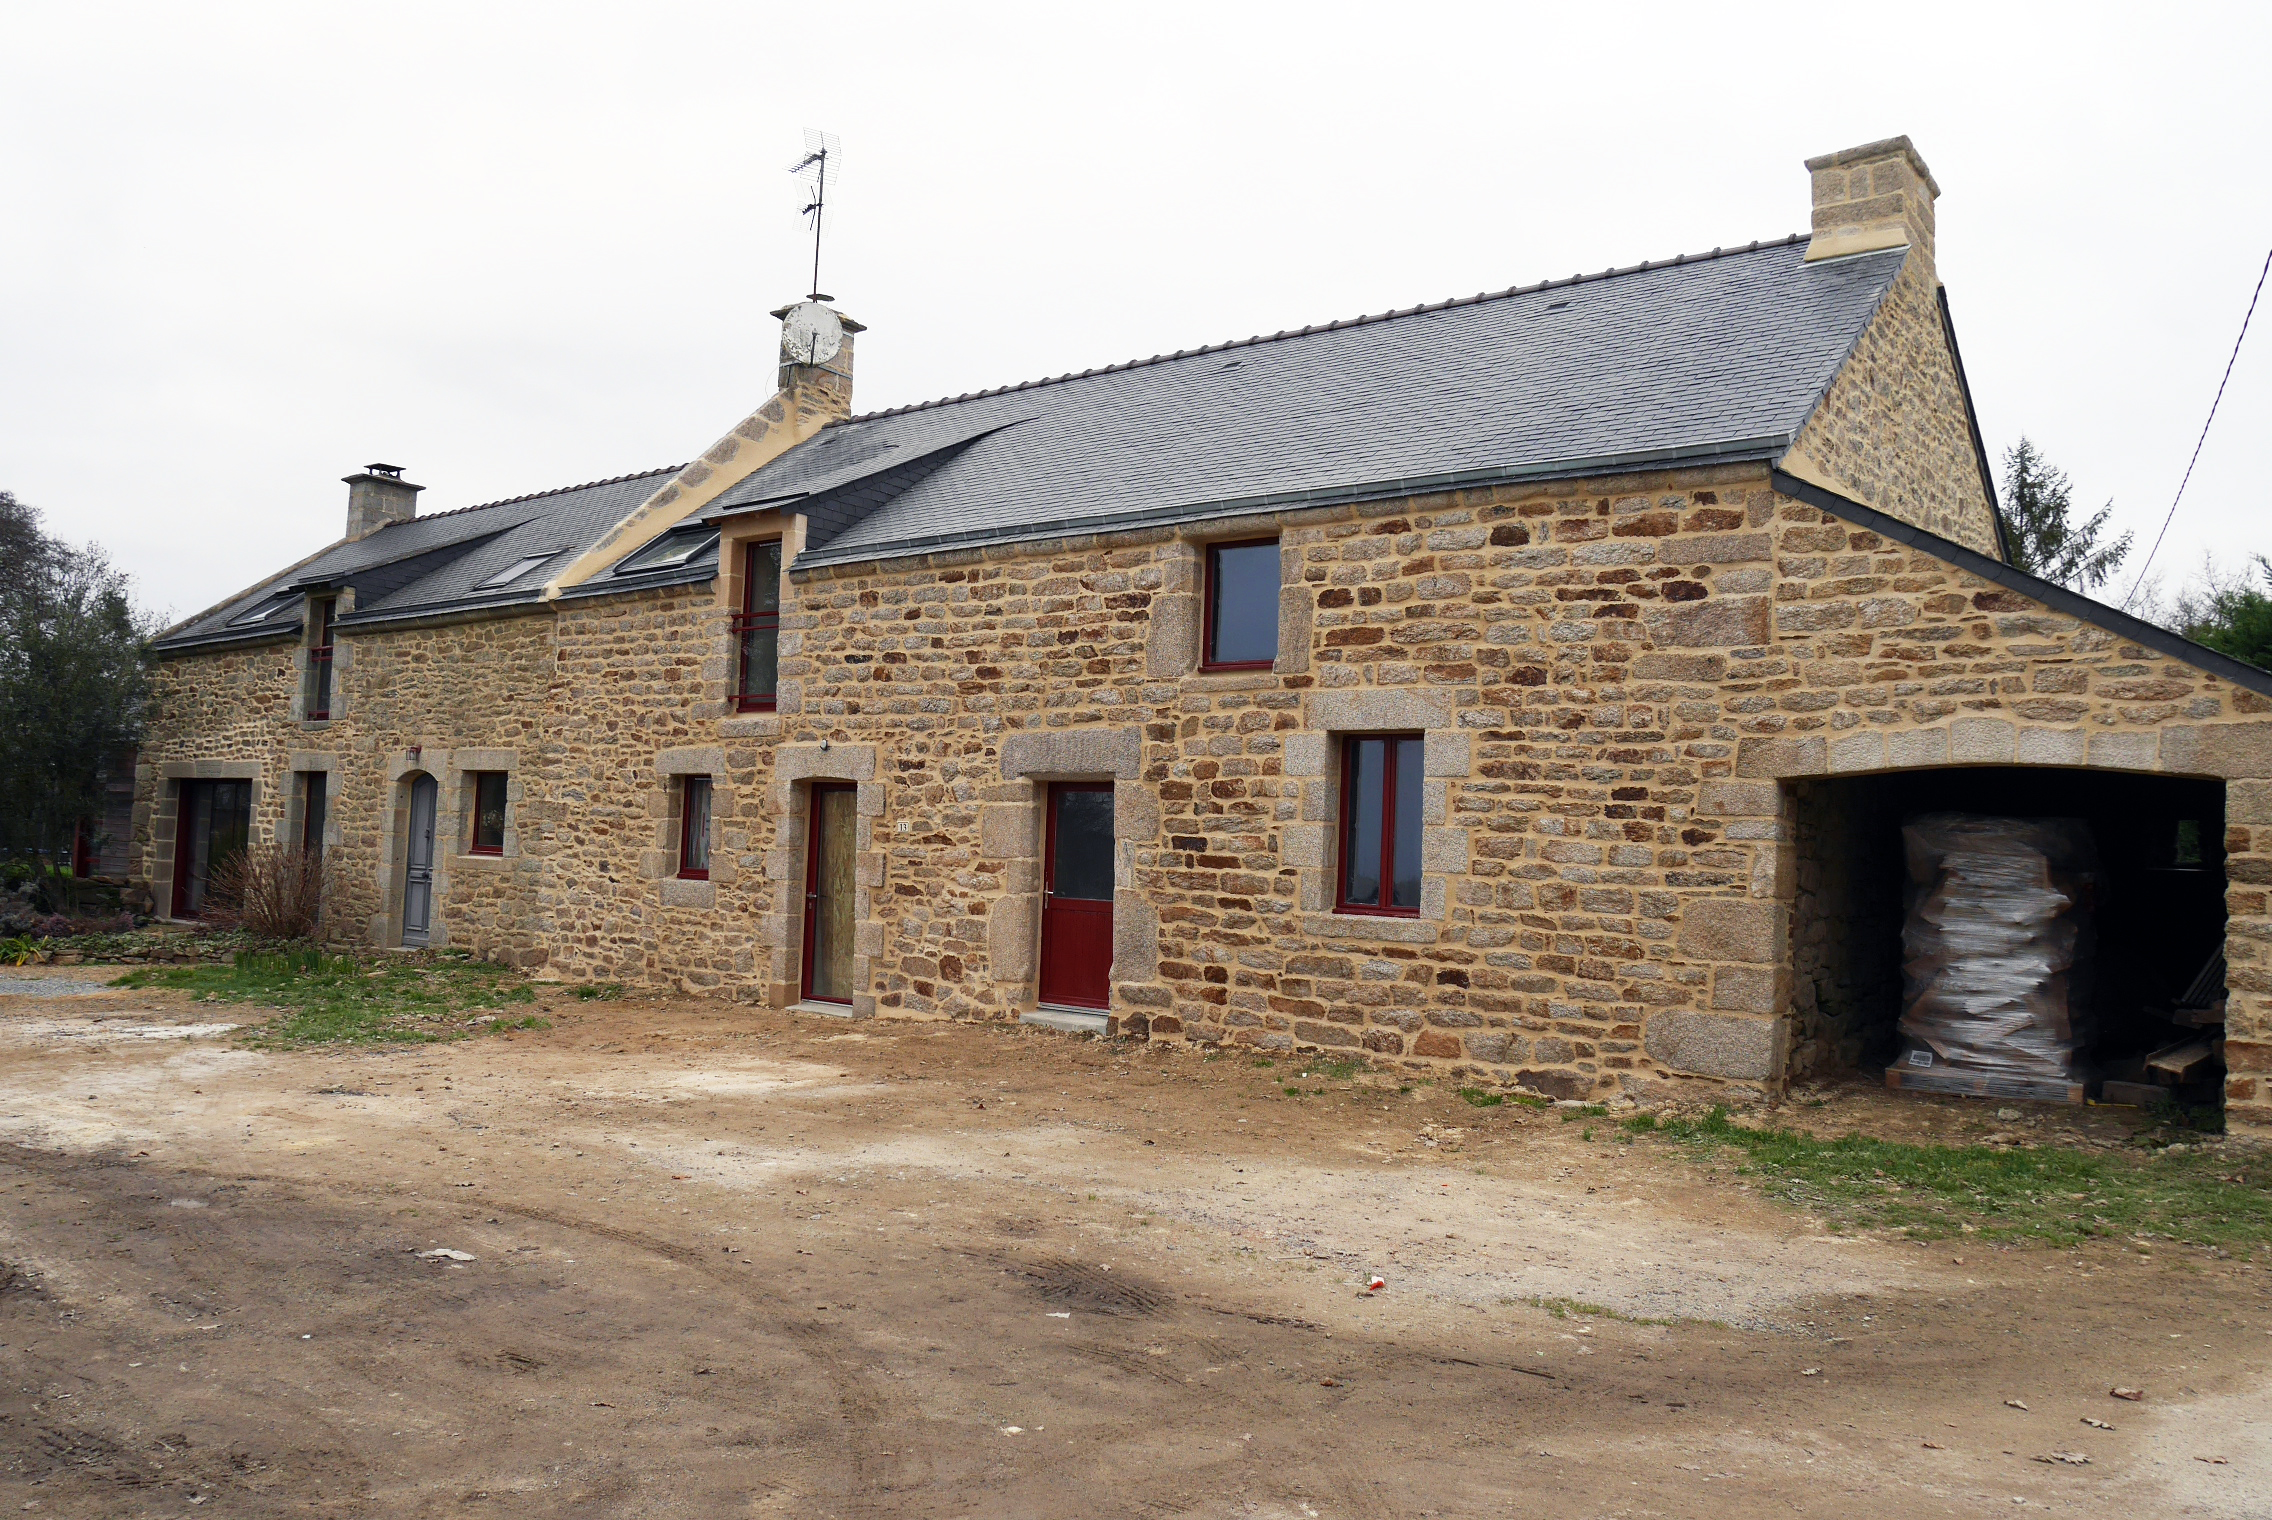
1884,147
391,471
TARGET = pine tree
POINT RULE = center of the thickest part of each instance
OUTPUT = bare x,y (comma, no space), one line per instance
2044,540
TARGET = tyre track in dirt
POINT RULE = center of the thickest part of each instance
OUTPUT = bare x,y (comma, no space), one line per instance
899,1319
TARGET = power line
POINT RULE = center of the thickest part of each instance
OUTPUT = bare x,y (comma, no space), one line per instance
2204,438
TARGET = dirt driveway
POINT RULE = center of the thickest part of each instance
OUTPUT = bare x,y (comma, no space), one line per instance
711,1262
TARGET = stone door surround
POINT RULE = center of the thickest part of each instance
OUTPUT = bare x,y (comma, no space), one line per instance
1010,831
795,768
450,769
166,820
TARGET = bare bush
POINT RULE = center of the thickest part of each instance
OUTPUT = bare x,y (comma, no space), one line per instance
273,891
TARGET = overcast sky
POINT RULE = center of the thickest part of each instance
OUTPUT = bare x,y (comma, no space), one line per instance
246,248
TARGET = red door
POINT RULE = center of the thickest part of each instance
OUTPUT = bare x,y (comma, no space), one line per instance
1076,897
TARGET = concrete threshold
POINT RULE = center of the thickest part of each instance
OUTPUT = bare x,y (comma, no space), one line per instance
825,1010
1071,1020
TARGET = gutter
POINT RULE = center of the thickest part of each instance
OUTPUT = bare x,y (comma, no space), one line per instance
210,641
2053,595
1732,451
460,610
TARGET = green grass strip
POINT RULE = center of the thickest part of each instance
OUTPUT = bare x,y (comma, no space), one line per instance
343,999
2046,1193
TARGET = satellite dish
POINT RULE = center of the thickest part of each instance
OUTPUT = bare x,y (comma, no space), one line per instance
810,334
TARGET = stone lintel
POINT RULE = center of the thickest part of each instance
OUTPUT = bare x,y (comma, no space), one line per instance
1073,754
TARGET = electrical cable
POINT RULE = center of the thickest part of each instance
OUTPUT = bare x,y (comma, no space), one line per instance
2204,438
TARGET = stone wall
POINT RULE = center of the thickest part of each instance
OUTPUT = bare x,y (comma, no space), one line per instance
1619,683
1893,431
589,706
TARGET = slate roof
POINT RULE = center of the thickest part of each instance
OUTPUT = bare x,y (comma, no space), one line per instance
434,564
1720,357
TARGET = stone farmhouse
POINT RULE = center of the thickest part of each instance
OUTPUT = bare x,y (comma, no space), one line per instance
1527,686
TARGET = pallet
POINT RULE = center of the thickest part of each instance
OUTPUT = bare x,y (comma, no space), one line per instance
1972,1084
2134,1094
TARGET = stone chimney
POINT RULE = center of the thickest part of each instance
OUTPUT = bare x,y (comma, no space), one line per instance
816,356
1879,195
377,497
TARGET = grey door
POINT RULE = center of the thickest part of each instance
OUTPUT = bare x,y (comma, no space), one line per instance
418,864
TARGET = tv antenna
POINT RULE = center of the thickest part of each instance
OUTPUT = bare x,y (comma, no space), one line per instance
823,155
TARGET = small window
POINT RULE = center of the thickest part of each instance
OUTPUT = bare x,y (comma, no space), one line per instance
757,631
1242,606
315,807
1380,824
488,813
516,570
675,550
694,829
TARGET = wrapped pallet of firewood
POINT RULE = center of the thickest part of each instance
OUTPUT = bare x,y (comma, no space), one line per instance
1996,955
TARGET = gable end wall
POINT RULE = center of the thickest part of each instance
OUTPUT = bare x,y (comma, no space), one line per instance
1893,430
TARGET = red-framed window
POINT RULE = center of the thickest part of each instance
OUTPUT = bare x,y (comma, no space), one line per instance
1242,606
1379,870
319,659
757,628
694,829
488,813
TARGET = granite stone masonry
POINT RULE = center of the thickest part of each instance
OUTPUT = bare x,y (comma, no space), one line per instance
1636,687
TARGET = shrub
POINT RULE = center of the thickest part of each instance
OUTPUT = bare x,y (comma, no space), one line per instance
272,891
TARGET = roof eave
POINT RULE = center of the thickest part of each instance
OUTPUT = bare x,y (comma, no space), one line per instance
206,642
1734,451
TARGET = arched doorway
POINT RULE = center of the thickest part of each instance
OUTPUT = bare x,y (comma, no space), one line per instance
418,862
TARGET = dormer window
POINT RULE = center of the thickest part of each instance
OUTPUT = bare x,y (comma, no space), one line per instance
675,550
516,570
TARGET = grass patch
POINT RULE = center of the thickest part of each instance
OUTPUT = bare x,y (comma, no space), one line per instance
599,992
1588,1111
1482,1098
1339,1070
2047,1193
329,999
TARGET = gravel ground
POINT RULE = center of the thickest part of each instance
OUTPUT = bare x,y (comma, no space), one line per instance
710,1261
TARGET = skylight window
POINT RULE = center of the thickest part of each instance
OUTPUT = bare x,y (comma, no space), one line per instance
516,570
261,612
675,550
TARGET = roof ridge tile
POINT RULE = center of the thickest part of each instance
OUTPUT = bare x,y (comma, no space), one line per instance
507,501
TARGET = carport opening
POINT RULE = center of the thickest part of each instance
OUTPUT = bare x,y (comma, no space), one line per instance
2156,922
